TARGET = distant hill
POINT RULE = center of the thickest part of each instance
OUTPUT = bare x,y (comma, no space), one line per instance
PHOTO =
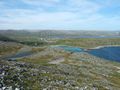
4,38
38,36
56,33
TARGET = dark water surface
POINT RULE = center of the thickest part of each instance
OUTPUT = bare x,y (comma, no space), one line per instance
19,55
109,53
74,37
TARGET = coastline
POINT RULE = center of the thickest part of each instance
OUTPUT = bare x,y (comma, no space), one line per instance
98,47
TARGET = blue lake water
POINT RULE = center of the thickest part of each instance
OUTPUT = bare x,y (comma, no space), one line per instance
19,55
109,53
71,49
85,37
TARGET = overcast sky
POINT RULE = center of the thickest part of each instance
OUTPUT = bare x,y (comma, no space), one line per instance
60,14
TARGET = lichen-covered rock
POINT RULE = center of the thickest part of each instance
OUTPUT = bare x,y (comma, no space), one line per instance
71,75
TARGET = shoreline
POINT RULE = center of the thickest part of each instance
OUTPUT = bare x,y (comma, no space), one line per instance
98,47
87,49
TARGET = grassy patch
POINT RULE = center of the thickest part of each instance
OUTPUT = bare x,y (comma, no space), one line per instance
89,42
7,49
35,50
115,79
38,60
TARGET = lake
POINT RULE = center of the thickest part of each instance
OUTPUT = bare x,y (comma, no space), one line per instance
75,37
19,55
70,48
109,53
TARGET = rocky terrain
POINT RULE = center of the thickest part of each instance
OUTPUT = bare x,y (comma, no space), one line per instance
49,68
79,71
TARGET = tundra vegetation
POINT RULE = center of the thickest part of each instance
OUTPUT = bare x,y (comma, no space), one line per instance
49,68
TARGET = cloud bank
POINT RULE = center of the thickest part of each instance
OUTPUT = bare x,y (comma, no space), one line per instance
60,14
